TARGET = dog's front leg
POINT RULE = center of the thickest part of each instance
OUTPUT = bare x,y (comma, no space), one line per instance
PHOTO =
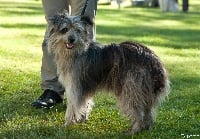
71,112
78,109
70,115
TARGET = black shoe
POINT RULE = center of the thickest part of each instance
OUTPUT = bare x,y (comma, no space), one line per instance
47,100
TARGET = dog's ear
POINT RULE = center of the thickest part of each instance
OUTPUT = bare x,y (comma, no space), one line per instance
86,20
54,20
57,18
52,24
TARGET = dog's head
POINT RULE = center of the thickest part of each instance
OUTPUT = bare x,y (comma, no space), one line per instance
68,32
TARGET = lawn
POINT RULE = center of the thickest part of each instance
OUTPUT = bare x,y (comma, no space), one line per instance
175,37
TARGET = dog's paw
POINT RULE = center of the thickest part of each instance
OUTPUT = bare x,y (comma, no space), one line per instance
67,123
70,120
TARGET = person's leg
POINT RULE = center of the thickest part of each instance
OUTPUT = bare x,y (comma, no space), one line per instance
185,5
76,8
48,69
53,91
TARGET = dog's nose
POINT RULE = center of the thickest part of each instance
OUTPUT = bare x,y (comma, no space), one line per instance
71,39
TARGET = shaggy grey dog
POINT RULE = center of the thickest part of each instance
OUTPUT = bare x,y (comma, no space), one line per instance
130,70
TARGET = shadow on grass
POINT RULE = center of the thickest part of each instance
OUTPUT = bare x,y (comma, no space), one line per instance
158,28
21,8
148,15
56,131
172,38
23,25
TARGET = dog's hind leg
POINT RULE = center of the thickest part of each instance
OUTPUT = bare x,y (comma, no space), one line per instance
134,112
132,109
143,113
148,118
137,124
132,102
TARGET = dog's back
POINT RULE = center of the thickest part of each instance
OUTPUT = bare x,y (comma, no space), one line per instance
109,65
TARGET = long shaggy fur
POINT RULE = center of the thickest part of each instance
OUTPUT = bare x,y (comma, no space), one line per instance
130,70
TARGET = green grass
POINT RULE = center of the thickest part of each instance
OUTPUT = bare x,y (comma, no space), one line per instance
175,37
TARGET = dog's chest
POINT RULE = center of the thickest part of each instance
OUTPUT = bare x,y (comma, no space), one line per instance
66,80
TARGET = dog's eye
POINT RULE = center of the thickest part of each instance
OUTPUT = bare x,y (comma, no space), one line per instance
64,30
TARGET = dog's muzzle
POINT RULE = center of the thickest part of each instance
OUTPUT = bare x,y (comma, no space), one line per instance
70,43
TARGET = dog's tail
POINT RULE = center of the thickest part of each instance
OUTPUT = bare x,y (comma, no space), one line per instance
161,95
163,92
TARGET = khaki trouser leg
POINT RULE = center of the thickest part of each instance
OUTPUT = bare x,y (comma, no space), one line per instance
48,68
